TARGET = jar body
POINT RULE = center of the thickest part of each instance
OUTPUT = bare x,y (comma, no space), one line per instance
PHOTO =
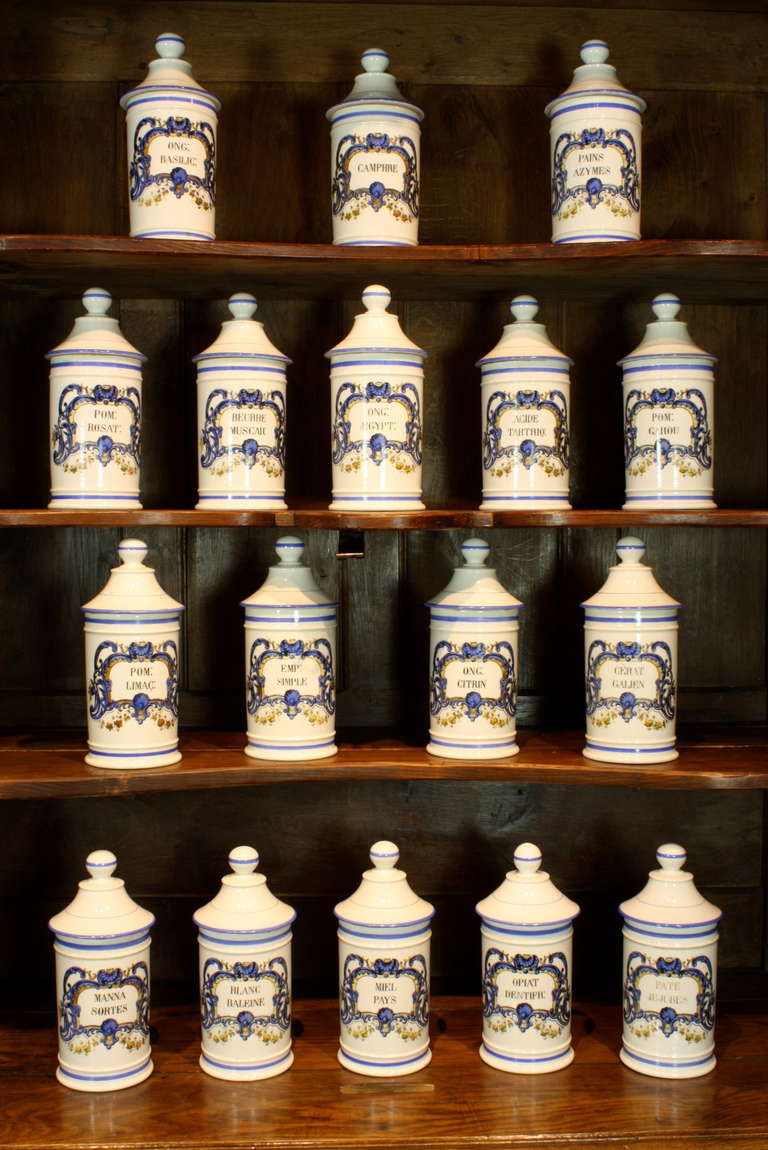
103,1014
526,998
631,684
132,673
525,428
241,416
375,174
668,432
670,984
376,405
95,418
595,155
171,136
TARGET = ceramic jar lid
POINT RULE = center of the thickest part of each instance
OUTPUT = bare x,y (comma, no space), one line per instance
290,584
594,77
102,908
376,329
132,589
670,897
475,586
384,897
667,337
523,339
244,905
527,896
242,335
374,85
630,583
169,71
96,331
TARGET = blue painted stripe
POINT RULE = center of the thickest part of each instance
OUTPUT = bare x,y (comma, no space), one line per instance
374,244
133,754
233,498
159,613
374,113
596,236
520,498
304,619
95,363
168,233
632,750
113,937
471,746
655,933
397,1062
377,363
594,104
453,607
547,928
680,1065
300,606
289,746
276,929
474,618
217,940
377,351
212,106
623,618
704,365
665,498
712,922
103,1077
128,940
240,367
524,370
540,1058
246,1066
420,922
129,498
381,937
393,498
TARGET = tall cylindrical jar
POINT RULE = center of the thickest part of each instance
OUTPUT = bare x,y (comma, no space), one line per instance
595,149
630,647
670,973
375,173
102,983
669,392
244,936
132,667
241,412
377,385
95,412
384,935
171,124
526,393
527,933
290,662
473,659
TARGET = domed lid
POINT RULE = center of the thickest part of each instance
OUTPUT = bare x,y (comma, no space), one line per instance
670,897
244,903
376,329
132,587
630,582
384,897
374,83
169,71
242,335
594,77
473,584
666,335
290,582
523,339
102,907
96,331
527,896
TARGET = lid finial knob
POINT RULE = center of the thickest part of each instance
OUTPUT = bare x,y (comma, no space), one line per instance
101,864
132,550
665,306
243,860
594,52
527,858
630,550
290,550
97,301
524,308
671,856
384,855
242,305
376,298
374,60
475,552
169,46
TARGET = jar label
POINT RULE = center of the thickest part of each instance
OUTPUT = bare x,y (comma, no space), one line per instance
291,678
242,429
669,996
97,425
528,428
595,166
105,1008
630,681
133,682
473,681
175,156
378,422
244,1000
376,171
664,427
384,996
526,992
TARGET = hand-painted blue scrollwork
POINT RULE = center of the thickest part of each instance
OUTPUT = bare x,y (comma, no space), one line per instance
529,967
594,190
376,195
627,705
103,448
249,451
177,181
293,702
528,451
498,709
109,991
217,1015
667,1019
692,457
378,446
138,706
385,1020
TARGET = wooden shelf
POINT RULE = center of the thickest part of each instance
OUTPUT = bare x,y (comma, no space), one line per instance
714,270
42,766
456,1103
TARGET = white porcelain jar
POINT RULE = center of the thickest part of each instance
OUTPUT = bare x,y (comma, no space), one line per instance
290,662
95,412
102,983
630,646
526,392
595,149
377,389
669,392
241,389
375,174
473,659
244,936
527,933
171,124
384,935
132,667
670,973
